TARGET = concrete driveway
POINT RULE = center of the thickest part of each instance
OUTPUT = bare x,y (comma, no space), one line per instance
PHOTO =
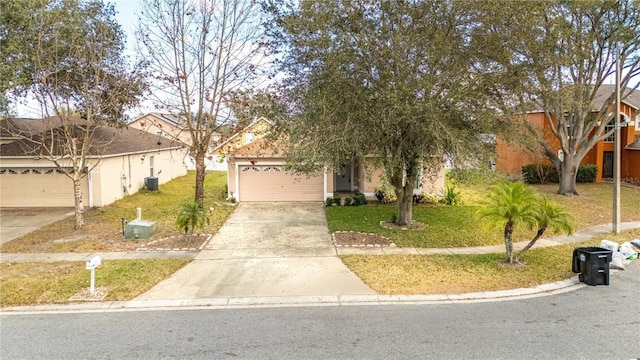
16,222
265,249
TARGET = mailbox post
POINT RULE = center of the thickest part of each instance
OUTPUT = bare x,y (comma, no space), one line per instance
92,264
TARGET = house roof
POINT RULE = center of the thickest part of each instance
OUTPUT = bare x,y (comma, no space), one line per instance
234,136
118,141
628,96
169,118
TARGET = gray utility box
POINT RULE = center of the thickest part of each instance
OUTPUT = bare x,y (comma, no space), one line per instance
151,183
140,229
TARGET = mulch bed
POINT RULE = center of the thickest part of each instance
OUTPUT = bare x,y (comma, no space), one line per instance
358,239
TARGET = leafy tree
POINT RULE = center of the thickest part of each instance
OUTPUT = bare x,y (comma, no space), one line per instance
198,53
561,54
75,70
191,217
510,205
395,80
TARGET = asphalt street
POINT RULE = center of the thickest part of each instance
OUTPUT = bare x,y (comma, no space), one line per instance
601,322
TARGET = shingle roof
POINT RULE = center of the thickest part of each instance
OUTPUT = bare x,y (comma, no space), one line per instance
628,96
118,141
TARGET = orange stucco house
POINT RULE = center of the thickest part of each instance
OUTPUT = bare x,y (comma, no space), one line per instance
511,158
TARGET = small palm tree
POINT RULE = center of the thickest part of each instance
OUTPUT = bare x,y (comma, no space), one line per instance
190,217
549,215
509,205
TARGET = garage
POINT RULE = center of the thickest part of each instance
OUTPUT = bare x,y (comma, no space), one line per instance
273,183
38,187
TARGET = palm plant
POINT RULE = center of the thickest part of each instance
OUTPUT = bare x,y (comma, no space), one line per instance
190,217
509,205
549,215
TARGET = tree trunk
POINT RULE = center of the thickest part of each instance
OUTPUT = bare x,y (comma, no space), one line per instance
201,172
567,172
508,241
530,244
405,210
79,211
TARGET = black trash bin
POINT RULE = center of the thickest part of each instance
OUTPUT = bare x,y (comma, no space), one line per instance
593,264
151,183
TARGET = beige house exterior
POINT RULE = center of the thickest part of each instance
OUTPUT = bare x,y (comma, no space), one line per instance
256,172
172,127
34,181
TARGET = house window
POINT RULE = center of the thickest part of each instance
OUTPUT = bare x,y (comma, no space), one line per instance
3,171
60,171
24,172
151,158
13,172
36,171
609,127
267,169
277,168
250,137
255,168
48,171
245,168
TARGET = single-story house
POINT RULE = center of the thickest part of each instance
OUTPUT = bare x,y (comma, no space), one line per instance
256,172
29,179
511,158
173,127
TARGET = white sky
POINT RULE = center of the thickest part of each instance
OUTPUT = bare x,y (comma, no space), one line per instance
126,15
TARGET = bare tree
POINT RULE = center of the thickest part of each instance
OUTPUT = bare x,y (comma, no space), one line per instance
80,79
199,52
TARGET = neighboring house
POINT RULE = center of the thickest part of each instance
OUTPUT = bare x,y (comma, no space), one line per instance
172,127
119,169
256,172
511,158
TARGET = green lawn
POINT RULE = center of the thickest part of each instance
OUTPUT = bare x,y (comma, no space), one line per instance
458,226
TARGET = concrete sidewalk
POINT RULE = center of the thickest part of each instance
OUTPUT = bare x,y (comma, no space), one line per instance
258,262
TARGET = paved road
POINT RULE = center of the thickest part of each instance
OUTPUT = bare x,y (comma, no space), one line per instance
599,322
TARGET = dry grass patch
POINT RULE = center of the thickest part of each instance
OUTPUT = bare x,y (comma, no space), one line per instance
103,226
52,283
594,204
456,274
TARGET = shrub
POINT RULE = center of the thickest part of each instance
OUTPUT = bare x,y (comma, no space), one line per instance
337,200
385,193
359,199
418,198
347,201
452,197
329,201
544,174
191,217
539,174
587,173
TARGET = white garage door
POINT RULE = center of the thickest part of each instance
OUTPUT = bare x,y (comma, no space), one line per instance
273,183
38,187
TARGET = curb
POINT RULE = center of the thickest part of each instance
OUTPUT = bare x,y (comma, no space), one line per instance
229,303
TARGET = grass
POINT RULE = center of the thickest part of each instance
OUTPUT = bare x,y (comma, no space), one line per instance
449,274
458,226
103,226
51,283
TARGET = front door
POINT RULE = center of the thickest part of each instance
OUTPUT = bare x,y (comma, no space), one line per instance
343,178
607,165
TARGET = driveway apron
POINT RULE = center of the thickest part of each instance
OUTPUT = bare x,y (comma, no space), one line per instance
265,249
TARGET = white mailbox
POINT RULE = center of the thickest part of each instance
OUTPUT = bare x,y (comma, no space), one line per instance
94,262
